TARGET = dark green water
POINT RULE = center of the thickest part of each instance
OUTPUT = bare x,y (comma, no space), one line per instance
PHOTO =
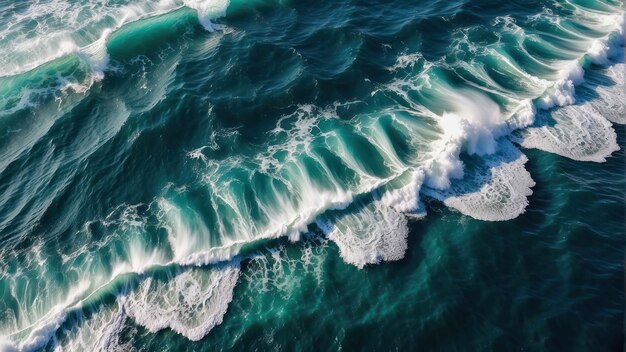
312,175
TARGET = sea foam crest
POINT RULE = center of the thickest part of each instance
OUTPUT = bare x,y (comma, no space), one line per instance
495,187
373,234
473,127
192,303
208,10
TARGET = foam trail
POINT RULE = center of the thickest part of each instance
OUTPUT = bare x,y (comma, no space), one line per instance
579,132
495,188
406,199
582,131
191,303
369,235
98,332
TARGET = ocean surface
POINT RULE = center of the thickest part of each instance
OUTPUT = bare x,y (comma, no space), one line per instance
312,175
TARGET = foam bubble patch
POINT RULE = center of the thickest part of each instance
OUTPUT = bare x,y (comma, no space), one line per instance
192,303
578,132
370,234
494,188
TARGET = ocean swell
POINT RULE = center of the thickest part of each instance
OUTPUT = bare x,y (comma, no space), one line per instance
446,134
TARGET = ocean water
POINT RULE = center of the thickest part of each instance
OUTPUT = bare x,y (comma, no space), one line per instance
312,175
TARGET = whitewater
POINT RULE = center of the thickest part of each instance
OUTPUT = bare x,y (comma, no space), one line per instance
356,168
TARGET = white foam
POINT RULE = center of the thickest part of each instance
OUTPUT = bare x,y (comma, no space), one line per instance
523,117
274,268
40,336
599,52
406,199
582,132
472,128
208,10
579,132
99,332
612,101
407,60
496,189
370,235
191,303
561,94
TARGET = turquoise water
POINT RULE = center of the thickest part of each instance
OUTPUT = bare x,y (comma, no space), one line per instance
280,175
